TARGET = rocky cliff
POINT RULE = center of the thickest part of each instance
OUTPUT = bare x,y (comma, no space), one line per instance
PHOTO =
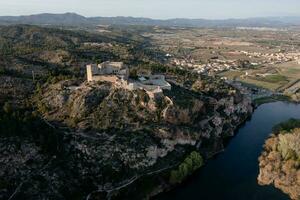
113,141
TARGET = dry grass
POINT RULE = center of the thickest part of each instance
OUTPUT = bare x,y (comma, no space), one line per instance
263,84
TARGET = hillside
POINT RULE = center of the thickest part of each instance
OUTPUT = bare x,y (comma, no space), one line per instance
55,54
131,133
64,138
99,136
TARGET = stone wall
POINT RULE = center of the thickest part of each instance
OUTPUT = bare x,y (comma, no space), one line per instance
108,78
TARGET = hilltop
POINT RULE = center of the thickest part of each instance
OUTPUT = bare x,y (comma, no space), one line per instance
122,142
131,134
66,138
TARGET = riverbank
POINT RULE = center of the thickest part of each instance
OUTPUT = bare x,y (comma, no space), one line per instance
279,162
233,173
165,186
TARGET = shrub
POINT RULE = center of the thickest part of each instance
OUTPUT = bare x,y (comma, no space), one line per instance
198,86
197,160
2,71
133,74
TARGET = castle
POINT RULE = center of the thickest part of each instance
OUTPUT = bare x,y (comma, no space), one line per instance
107,71
118,74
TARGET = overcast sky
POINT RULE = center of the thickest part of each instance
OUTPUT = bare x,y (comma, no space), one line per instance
212,9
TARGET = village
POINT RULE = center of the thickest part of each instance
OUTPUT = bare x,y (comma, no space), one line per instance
213,66
216,65
273,58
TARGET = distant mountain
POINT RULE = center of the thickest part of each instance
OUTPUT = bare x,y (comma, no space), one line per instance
75,19
47,18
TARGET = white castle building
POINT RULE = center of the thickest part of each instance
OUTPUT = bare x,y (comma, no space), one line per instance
118,74
107,71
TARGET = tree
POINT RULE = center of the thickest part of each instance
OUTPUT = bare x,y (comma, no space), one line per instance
2,70
197,160
133,74
183,170
175,177
189,163
198,86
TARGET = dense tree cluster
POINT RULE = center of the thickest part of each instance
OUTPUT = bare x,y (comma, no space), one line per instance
191,163
25,123
288,145
286,126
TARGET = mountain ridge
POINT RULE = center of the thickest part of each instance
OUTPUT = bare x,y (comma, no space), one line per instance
76,19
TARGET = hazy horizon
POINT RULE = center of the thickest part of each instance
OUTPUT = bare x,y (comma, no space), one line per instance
156,9
228,18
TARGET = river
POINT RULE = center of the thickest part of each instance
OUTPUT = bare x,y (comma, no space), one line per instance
232,174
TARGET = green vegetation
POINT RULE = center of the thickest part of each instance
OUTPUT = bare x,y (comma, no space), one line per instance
286,126
270,99
274,78
133,74
180,97
261,83
56,54
191,163
24,123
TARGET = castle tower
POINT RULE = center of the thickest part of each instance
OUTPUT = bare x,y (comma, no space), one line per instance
89,73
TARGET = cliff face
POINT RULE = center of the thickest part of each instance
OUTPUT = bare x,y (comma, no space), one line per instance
176,117
111,137
280,161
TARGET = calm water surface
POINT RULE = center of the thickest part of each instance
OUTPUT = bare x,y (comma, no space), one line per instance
232,174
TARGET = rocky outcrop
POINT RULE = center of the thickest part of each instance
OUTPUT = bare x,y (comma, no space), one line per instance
113,136
188,119
280,161
176,115
69,101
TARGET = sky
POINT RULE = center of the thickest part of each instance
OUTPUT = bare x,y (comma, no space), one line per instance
157,9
